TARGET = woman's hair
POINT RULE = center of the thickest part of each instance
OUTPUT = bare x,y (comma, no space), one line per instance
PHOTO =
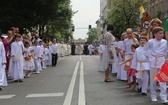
155,20
110,27
135,46
157,29
124,33
143,37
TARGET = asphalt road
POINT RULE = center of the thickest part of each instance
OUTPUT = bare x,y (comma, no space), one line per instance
74,81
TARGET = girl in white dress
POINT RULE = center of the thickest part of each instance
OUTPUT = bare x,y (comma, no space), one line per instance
101,52
3,80
28,66
123,73
16,61
46,55
127,49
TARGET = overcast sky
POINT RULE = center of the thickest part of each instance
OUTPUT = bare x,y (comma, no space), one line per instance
88,14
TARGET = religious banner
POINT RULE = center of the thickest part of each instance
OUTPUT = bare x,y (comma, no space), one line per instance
162,75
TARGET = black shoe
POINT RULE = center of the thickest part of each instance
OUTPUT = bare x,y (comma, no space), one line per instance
139,90
1,88
15,81
20,80
144,94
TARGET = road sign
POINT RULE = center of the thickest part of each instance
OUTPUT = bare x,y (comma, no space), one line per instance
145,24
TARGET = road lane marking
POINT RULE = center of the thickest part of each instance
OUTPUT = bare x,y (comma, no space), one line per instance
69,94
81,99
6,96
44,95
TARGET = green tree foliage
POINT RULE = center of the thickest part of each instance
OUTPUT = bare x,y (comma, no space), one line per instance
124,14
55,14
92,35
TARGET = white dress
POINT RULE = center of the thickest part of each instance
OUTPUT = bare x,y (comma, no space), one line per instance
37,56
16,61
49,56
28,64
109,46
100,63
115,66
3,80
122,74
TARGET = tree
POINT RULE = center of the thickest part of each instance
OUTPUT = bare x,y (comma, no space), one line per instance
55,14
92,35
124,14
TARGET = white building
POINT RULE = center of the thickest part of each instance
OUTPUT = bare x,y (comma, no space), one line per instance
105,5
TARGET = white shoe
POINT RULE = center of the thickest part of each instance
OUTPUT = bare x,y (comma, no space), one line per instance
165,101
37,72
154,100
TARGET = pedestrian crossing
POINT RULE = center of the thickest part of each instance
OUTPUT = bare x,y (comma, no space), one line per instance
44,95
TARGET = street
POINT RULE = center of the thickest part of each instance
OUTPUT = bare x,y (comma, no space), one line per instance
74,81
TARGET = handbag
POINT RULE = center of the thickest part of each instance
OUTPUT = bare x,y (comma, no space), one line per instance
28,57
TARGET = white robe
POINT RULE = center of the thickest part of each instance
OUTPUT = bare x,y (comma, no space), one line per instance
115,66
100,63
28,64
122,74
69,49
16,61
90,48
37,58
3,80
49,56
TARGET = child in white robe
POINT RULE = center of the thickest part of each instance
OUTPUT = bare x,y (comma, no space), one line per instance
122,74
16,60
45,56
101,51
158,50
115,66
140,62
3,80
37,57
28,66
127,49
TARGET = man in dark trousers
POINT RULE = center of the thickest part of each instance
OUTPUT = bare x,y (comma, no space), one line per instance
54,49
73,49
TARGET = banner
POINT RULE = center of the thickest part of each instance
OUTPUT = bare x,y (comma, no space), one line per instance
162,75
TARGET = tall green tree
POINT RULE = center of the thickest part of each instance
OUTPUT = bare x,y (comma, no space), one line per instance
56,14
124,14
92,35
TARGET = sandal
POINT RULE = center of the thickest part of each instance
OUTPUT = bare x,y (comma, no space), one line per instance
108,80
128,86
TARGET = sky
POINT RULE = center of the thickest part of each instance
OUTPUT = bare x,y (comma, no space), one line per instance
88,13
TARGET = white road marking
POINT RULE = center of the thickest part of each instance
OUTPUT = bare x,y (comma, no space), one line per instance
44,95
69,94
6,96
81,99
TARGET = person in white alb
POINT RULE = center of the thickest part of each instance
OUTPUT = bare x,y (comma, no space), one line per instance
101,52
16,61
45,56
54,51
158,50
37,57
140,63
3,80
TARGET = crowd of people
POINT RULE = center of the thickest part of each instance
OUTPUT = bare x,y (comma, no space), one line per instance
21,55
136,57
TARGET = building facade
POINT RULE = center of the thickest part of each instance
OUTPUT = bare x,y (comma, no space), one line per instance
105,5
157,7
